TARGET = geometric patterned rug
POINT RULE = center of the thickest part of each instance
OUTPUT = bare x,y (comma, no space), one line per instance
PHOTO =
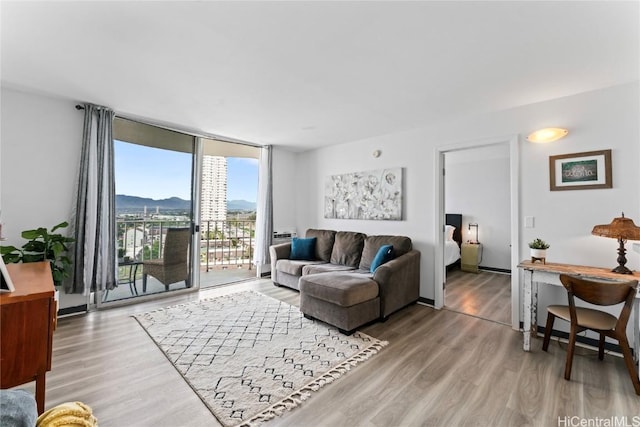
250,357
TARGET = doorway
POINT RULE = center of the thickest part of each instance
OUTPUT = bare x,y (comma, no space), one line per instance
510,144
477,188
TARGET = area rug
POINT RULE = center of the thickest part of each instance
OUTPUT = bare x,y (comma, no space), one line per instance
250,357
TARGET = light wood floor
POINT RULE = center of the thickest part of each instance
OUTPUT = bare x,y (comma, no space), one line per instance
485,295
440,368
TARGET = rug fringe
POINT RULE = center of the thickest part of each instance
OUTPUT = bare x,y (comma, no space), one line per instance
297,397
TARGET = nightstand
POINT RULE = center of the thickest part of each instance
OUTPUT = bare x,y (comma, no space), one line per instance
470,254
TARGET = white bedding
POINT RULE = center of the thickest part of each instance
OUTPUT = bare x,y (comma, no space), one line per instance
451,252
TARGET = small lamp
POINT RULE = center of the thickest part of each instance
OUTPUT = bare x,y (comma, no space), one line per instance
622,229
475,242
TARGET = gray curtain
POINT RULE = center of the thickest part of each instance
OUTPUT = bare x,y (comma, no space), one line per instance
93,225
264,214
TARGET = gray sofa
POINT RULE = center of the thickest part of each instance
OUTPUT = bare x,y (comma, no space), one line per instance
337,286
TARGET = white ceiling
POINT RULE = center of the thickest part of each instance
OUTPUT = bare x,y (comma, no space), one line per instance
307,74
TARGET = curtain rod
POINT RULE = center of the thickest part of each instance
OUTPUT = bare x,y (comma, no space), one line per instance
196,134
99,107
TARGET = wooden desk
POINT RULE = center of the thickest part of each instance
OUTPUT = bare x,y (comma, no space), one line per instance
27,321
549,273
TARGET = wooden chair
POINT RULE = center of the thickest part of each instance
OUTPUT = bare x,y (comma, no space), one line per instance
174,265
607,325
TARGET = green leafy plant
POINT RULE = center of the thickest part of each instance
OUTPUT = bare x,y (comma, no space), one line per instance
539,244
43,245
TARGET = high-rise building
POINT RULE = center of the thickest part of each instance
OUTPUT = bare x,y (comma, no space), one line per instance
214,189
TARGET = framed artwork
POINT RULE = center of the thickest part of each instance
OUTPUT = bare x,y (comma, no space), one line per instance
375,194
580,171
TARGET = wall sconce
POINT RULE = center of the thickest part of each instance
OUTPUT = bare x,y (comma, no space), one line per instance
547,135
623,229
474,242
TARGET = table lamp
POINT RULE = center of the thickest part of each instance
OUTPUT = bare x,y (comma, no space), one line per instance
623,229
475,242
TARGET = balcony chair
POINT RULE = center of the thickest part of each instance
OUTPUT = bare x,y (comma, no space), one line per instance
582,318
173,267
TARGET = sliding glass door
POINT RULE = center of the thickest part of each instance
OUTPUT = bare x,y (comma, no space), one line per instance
185,211
229,188
154,180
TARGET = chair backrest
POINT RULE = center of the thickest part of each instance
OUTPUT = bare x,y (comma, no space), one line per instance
599,293
176,245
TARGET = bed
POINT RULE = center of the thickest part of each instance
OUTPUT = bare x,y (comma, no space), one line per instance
453,239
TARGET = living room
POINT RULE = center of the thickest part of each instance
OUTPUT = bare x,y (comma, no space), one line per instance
587,84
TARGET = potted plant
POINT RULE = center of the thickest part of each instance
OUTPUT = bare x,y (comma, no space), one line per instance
539,248
43,245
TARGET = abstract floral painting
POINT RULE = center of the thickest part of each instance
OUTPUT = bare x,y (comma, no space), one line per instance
375,194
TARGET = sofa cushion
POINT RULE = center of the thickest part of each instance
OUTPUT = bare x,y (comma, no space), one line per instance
342,289
401,246
385,254
303,249
324,242
293,267
324,268
347,248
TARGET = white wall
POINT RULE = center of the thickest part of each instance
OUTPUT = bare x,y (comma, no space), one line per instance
596,120
40,142
477,185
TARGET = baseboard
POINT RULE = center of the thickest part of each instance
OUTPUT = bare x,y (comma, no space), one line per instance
426,301
497,270
591,342
73,310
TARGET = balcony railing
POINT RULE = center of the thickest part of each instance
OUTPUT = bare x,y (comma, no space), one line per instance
222,243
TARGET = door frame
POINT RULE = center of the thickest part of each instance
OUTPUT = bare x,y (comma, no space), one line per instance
514,176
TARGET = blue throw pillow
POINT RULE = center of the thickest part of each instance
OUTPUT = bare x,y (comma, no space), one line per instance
385,254
303,249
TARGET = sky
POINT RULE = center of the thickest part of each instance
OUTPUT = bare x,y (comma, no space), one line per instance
159,174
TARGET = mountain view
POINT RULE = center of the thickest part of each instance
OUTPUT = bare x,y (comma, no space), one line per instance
134,203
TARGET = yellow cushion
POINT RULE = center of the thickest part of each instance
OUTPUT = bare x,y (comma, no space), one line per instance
69,414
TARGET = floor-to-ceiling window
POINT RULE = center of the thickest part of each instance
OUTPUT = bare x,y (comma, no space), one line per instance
154,182
167,180
228,194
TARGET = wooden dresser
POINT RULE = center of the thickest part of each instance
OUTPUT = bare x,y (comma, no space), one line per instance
27,318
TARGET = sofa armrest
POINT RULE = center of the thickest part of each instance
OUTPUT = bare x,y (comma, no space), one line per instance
276,252
399,282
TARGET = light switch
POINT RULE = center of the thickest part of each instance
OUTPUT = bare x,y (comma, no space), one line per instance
529,222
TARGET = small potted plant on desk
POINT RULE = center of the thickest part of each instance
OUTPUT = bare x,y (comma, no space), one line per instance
539,250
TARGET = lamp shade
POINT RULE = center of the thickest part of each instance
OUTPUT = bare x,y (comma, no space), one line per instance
620,228
547,135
